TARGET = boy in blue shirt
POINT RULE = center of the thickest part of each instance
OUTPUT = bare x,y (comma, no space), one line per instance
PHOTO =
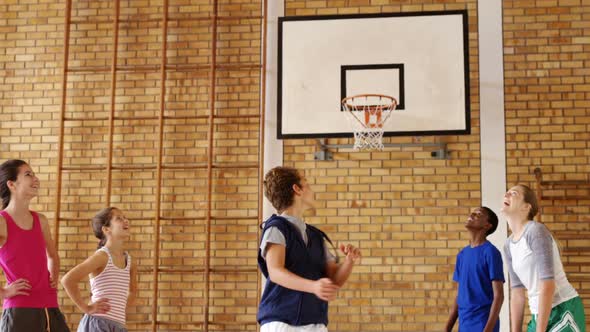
480,277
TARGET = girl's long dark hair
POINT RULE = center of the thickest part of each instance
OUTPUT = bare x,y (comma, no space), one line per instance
8,172
102,218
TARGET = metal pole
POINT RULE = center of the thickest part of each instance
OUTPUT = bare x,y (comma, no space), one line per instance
64,89
211,128
156,261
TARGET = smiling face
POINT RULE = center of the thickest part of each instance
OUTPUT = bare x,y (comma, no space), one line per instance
519,201
118,226
26,185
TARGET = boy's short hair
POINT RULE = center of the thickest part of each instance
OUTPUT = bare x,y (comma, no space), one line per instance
492,219
278,186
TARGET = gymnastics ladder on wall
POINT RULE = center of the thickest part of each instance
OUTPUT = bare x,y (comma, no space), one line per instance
215,20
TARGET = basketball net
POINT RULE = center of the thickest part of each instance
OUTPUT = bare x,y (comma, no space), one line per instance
366,114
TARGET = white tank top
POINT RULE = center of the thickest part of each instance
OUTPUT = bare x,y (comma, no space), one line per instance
112,284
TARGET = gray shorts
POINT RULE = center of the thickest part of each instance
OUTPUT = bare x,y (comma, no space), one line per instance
99,324
33,320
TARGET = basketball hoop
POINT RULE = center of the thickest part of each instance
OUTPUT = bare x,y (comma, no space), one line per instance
366,114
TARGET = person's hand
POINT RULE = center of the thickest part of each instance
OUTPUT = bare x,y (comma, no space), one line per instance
325,289
17,287
53,281
352,254
101,306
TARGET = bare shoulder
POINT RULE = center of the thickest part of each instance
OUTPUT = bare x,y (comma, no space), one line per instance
44,226
97,263
91,266
100,257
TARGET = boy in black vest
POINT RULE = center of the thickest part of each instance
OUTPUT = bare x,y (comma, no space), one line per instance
301,274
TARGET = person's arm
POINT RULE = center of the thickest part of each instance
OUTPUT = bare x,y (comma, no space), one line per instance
453,315
546,291
517,292
275,261
94,264
339,273
498,288
52,257
132,284
517,298
541,244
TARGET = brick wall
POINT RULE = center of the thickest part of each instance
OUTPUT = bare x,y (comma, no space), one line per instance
546,54
30,39
31,36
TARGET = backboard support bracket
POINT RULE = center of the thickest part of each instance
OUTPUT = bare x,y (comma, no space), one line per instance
325,153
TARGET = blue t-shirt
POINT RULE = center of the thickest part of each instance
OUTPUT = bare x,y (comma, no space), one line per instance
475,270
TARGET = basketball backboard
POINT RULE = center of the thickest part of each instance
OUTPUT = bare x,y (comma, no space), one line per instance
420,59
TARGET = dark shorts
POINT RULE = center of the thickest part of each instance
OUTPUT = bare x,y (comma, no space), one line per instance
99,324
33,320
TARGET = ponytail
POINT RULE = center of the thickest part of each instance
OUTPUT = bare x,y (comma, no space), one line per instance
100,220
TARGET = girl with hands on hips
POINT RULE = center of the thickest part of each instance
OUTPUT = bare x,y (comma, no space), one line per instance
112,276
27,256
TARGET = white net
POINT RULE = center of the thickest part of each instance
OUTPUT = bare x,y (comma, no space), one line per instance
366,115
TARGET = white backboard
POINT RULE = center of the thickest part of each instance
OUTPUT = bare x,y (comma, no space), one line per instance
421,59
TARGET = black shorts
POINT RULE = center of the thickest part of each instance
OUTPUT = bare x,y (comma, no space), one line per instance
33,320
